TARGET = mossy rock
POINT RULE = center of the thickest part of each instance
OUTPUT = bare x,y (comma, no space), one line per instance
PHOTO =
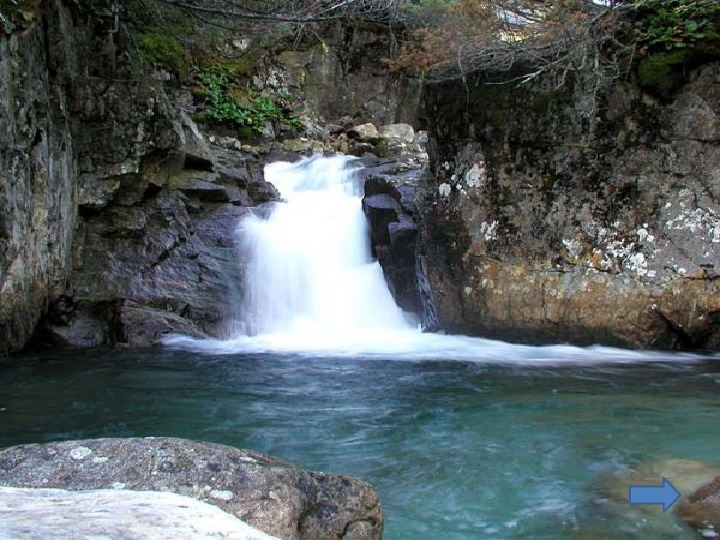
199,117
198,91
663,73
164,51
245,134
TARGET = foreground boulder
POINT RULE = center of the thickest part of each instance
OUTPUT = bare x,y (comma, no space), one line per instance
29,514
274,496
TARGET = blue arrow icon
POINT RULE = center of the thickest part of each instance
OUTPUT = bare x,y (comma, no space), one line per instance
665,494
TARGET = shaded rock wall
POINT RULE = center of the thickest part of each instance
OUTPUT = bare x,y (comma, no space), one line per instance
558,216
38,194
162,263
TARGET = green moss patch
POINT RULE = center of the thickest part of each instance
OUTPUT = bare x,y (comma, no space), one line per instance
163,50
663,73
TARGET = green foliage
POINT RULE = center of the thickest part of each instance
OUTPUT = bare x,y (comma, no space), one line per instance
675,24
163,50
227,101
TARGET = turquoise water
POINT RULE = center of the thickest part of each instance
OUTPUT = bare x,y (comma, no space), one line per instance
456,449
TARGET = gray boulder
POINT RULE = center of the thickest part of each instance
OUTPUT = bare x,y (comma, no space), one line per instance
38,514
401,132
274,496
367,133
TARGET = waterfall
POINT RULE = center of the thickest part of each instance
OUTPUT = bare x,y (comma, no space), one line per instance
309,265
312,288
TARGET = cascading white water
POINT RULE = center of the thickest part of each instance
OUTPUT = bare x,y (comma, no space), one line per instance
312,289
309,260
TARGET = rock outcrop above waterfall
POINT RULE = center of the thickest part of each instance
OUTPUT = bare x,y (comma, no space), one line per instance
274,496
556,215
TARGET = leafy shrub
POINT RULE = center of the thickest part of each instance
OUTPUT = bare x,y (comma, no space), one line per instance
227,101
675,24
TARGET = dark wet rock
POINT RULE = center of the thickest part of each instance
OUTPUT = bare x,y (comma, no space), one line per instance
402,241
209,191
162,266
389,204
198,155
274,496
381,211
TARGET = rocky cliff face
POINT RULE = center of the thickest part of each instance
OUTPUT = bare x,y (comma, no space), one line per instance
345,75
38,194
556,216
114,226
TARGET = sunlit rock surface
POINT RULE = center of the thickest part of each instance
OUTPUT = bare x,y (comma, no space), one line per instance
554,215
39,514
272,495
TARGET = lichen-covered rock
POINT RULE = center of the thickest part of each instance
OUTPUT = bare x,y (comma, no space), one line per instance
544,224
37,514
274,496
